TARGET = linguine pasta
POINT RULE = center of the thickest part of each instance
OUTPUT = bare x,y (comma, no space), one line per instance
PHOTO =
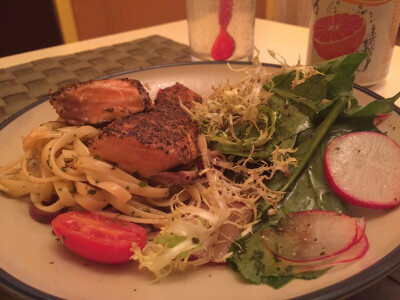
57,172
201,219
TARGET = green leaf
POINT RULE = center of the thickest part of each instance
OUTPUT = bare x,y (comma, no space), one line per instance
264,152
315,140
373,108
170,240
291,120
258,265
308,189
339,74
251,259
247,134
311,190
308,94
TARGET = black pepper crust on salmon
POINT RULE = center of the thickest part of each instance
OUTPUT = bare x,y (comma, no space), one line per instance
154,141
100,101
175,94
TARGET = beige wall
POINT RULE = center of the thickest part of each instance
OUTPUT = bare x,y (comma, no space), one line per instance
84,19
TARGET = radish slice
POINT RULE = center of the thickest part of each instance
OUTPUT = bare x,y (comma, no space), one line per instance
345,256
363,168
311,236
360,228
380,118
355,252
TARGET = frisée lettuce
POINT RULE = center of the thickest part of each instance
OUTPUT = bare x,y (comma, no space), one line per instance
261,145
306,188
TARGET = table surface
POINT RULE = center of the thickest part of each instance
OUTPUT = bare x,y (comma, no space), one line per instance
289,41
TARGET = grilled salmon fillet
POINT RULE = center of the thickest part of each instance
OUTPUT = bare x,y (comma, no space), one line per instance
175,94
154,141
100,101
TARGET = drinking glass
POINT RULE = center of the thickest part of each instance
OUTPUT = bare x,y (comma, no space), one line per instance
221,29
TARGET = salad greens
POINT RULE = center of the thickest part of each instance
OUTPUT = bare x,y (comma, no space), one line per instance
261,147
306,188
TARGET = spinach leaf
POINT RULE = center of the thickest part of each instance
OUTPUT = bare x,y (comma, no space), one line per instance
296,108
370,111
306,95
308,150
292,119
310,190
339,74
374,108
336,81
259,266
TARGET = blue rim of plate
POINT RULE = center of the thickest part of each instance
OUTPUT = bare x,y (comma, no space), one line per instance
340,289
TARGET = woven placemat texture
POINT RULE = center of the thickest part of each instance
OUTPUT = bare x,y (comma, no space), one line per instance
23,84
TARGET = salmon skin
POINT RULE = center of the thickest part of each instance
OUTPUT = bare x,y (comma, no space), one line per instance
100,101
155,141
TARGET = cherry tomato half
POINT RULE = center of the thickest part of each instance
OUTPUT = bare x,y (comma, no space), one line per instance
98,238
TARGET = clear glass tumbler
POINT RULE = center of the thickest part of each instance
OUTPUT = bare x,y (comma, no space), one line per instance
213,22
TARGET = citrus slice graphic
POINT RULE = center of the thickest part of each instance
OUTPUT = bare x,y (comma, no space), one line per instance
338,34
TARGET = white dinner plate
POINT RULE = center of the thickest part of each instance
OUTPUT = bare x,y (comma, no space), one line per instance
34,265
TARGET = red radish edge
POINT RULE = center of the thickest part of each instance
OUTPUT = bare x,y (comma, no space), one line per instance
352,239
356,252
378,156
340,257
380,118
361,226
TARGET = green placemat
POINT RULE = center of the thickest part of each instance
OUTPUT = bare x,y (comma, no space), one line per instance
23,84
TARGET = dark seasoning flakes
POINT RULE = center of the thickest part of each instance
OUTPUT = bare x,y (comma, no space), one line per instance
166,127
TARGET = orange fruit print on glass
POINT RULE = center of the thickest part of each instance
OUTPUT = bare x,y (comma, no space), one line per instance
338,34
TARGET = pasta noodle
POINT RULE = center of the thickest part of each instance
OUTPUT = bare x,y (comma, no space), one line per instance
58,172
